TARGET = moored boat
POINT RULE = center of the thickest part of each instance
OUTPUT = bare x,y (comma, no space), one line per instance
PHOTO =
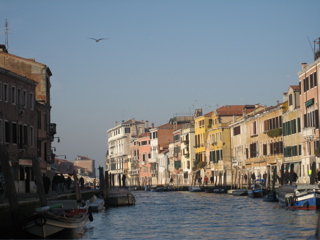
96,204
57,216
159,188
195,189
219,190
305,197
239,192
259,189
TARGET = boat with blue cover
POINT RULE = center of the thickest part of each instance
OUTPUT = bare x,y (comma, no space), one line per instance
259,189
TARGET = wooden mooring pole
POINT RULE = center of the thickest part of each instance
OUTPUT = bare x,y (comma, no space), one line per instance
106,190
77,187
39,182
10,186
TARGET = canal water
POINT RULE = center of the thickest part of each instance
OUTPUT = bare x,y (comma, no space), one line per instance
186,215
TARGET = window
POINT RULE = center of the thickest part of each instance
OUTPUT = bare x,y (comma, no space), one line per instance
32,136
39,119
176,138
254,128
19,98
31,100
25,135
236,131
1,131
20,136
144,143
6,92
13,95
311,119
24,99
253,150
264,149
7,131
290,100
306,84
14,133
127,130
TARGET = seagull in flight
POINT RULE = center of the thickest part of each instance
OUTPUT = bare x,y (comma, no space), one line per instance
97,40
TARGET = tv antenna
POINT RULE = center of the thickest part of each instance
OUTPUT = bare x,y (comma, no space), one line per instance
7,34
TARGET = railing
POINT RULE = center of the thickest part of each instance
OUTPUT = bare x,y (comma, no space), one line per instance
309,133
134,172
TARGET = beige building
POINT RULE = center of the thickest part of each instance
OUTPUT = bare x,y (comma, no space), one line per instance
86,163
309,104
187,152
119,138
291,131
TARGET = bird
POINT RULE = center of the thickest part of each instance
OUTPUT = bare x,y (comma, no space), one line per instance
97,40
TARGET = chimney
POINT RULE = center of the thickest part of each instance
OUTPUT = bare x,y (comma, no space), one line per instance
147,124
303,65
3,48
152,125
115,123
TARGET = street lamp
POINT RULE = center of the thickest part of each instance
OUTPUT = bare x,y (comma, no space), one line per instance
65,157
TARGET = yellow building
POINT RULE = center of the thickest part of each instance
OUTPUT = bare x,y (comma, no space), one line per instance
219,155
202,124
264,146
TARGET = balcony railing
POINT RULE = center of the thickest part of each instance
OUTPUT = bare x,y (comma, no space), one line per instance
134,172
309,133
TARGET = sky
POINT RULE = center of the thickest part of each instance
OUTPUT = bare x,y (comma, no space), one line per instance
160,58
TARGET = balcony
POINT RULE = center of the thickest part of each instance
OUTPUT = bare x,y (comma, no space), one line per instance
152,160
309,133
134,172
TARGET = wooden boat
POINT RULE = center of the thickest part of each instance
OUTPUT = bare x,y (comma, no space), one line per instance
195,189
282,191
239,192
259,189
305,196
270,197
57,216
121,199
96,204
159,188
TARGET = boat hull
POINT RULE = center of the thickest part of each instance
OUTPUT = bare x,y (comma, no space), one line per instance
195,189
46,223
257,193
240,192
307,201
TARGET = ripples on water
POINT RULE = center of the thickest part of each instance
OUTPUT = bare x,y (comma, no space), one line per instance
185,215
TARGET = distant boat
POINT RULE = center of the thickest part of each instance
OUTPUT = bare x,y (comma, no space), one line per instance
259,189
239,192
159,188
195,189
57,216
219,190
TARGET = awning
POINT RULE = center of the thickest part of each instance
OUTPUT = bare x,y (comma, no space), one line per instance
25,162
